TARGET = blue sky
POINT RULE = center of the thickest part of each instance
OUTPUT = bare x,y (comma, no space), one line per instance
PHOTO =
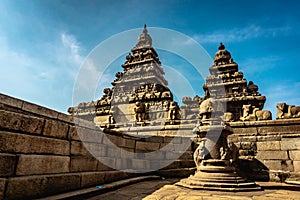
44,42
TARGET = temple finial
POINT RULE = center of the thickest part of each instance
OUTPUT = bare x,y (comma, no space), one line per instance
145,29
221,46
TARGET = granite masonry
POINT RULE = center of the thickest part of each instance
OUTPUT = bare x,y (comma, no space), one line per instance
44,152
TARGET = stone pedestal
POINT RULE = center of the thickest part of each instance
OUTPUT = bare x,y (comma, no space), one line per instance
215,161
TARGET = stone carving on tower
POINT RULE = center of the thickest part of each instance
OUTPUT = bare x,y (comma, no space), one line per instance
140,94
227,85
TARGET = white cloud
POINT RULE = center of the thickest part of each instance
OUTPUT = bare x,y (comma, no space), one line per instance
241,34
73,48
46,80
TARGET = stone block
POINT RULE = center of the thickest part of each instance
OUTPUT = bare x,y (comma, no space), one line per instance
7,164
176,147
156,139
114,152
96,149
290,143
79,149
155,155
65,117
284,165
2,187
8,141
40,186
294,155
100,119
186,140
42,164
11,101
84,123
81,164
85,135
173,133
106,163
147,146
123,164
268,138
20,122
92,178
245,130
145,133
173,165
112,176
22,143
140,164
127,153
119,141
72,134
39,110
268,145
174,140
272,155
296,166
55,128
279,129
247,138
182,155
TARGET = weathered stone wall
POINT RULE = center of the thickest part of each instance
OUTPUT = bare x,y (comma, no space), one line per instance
42,152
270,150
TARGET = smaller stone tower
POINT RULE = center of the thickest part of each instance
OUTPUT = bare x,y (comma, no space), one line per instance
227,84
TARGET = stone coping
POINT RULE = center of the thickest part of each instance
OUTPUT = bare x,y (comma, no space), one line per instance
278,122
34,108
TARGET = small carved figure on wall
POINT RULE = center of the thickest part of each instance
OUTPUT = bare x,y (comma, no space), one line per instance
139,112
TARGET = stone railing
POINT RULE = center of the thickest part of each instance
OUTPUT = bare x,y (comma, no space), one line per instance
44,152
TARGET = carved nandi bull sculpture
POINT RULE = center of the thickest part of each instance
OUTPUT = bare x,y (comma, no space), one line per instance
255,115
285,111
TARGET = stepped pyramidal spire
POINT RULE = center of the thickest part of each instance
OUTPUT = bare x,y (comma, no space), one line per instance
140,93
228,85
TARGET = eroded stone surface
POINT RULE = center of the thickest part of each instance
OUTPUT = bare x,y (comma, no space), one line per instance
42,164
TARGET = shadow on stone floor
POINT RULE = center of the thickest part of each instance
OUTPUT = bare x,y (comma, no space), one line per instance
135,191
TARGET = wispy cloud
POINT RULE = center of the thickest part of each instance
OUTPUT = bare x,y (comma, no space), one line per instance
45,80
241,34
252,66
72,48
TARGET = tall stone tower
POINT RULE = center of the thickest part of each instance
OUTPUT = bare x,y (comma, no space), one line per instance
140,93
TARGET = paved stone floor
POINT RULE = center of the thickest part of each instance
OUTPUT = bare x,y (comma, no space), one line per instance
165,190
135,191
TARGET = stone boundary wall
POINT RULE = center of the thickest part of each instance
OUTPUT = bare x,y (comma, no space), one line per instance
42,153
269,150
